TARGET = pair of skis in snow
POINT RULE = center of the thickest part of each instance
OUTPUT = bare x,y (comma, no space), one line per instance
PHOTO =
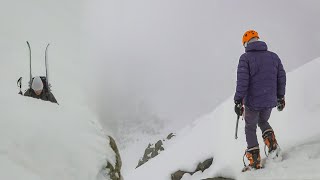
19,82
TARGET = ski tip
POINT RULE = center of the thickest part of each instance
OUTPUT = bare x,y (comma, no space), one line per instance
47,46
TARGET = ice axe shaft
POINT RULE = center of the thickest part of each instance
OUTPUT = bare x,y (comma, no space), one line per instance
236,133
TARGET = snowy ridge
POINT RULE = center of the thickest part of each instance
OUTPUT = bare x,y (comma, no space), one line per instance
296,130
43,141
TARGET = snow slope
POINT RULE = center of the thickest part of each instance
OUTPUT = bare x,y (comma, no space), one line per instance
45,141
296,128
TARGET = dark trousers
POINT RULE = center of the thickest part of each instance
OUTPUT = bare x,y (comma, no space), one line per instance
252,119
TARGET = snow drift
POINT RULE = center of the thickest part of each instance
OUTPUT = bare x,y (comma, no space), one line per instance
296,129
44,141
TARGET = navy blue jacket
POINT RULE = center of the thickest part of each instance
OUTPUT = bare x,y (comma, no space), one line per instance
261,78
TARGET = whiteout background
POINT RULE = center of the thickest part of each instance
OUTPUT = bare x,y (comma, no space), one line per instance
149,67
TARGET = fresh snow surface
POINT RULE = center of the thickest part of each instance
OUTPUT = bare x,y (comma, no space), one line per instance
44,141
296,128
135,150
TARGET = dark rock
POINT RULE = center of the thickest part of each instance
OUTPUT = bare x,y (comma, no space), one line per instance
201,167
204,165
178,175
218,178
159,144
153,150
114,172
171,135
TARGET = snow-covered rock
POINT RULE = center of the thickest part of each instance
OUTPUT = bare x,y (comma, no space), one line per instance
201,167
154,150
113,171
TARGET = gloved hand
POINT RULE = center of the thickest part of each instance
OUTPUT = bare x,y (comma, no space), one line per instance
238,108
281,104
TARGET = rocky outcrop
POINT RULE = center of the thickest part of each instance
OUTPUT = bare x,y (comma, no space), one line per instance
114,171
218,178
201,167
170,136
153,150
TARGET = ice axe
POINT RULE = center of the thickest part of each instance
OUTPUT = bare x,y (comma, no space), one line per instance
236,134
240,107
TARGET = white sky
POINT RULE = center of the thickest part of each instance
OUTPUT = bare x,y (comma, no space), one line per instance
178,58
181,56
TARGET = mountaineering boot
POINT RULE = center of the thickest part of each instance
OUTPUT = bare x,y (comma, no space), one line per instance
253,155
270,141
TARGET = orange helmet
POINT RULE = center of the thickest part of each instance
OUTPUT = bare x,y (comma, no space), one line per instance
249,35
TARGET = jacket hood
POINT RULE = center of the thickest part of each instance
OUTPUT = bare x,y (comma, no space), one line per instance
257,46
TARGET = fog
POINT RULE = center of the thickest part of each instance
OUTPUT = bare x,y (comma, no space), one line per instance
40,22
152,64
180,57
